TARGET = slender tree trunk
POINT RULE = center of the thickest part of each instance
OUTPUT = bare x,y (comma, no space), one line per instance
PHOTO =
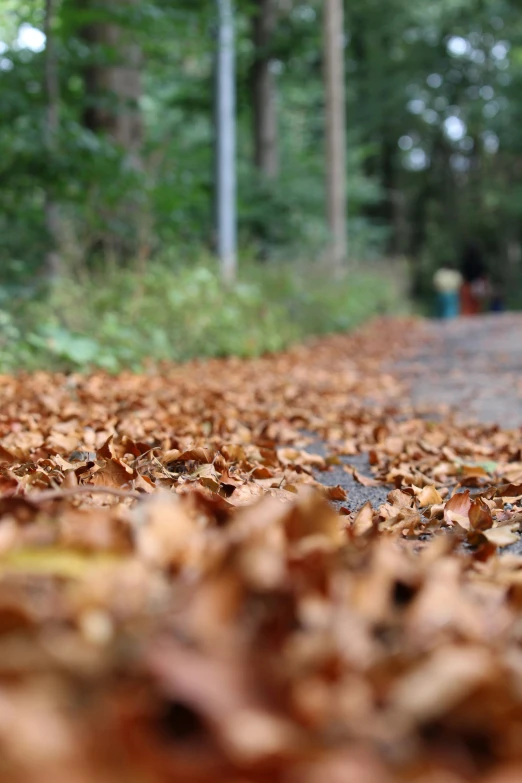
113,84
113,88
53,263
335,130
264,91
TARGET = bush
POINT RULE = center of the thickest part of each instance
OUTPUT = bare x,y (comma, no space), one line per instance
125,318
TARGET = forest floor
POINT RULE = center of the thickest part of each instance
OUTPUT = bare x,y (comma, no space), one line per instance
296,569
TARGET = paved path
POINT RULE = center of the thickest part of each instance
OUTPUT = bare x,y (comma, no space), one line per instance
472,367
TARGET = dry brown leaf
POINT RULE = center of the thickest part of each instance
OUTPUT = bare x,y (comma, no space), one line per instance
401,499
457,508
213,618
480,516
113,473
164,530
502,536
366,481
336,493
428,496
439,684
363,520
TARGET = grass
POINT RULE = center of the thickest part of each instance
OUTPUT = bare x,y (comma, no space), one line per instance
126,319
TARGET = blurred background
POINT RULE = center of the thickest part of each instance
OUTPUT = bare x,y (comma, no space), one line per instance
108,170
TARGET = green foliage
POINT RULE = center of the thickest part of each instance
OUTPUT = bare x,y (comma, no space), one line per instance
173,193
414,189
177,312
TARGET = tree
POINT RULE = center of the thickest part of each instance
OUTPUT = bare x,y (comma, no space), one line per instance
53,264
113,75
264,90
107,55
335,129
433,143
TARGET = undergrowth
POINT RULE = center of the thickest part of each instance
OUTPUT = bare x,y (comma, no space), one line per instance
128,319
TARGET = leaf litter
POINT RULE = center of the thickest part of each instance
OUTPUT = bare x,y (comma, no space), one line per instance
180,599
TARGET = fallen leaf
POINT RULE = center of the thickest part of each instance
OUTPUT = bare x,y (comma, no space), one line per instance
365,481
457,509
502,536
440,683
428,496
363,520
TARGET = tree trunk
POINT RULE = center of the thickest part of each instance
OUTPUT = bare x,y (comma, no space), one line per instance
113,88
53,264
113,81
335,129
264,91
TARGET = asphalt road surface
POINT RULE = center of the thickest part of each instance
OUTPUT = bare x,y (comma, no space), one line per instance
471,367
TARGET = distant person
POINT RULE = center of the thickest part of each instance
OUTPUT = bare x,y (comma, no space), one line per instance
447,283
475,289
497,303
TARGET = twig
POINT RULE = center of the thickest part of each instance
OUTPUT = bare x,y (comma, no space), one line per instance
85,489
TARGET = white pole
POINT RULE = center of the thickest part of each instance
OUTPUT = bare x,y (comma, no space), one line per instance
226,206
335,130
